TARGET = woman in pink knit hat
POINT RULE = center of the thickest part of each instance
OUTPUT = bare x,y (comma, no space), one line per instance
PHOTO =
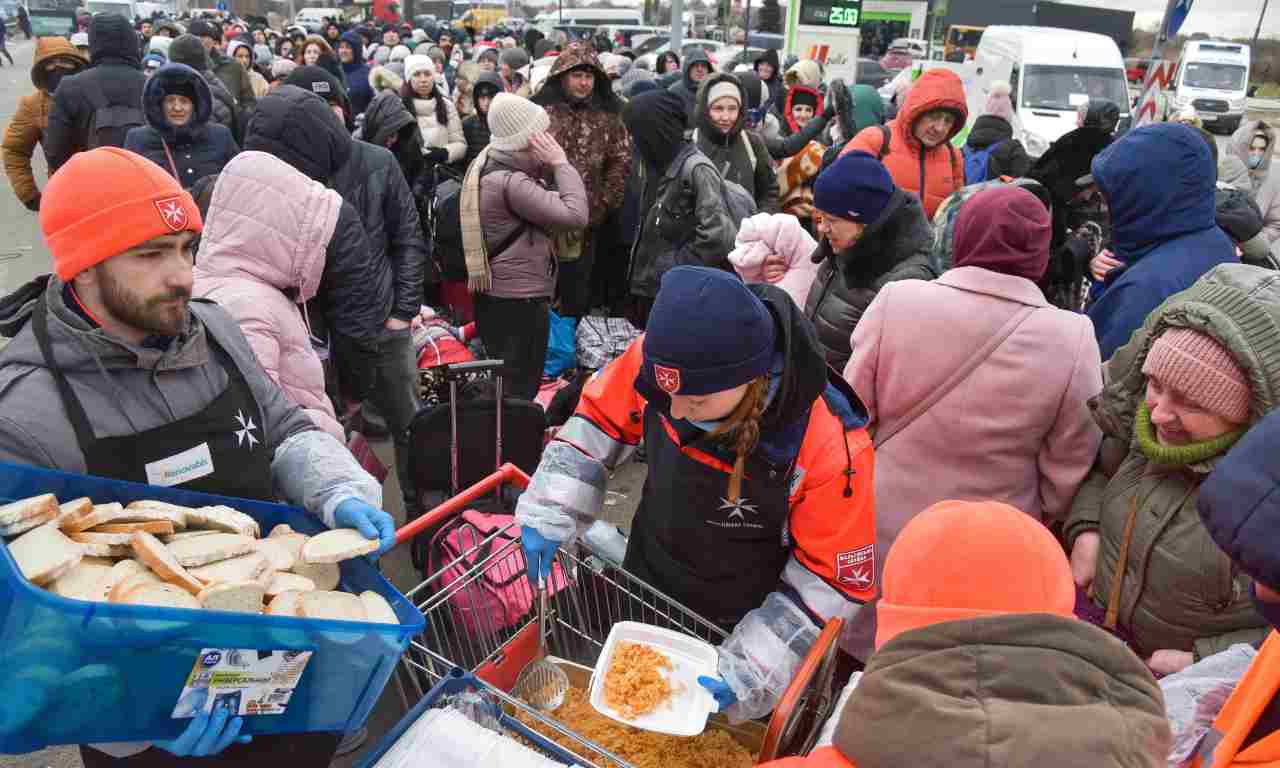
991,151
1187,386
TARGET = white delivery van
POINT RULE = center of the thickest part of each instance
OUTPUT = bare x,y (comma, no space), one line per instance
313,18
589,17
1052,72
126,8
1213,79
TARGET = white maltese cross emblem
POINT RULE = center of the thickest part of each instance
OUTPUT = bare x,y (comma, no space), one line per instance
245,433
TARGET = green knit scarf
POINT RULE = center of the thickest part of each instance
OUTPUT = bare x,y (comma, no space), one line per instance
1179,455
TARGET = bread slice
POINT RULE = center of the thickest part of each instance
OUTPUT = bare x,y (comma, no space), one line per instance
337,545
289,582
332,605
25,509
158,558
280,555
224,519
203,550
130,583
377,608
44,553
89,579
294,542
324,575
246,567
161,595
154,527
123,569
172,512
22,526
114,513
285,603
180,535
74,510
238,596
99,537
283,529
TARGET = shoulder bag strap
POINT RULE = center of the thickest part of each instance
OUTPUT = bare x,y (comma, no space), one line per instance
883,436
172,165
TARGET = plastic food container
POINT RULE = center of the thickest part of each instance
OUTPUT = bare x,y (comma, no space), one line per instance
685,714
78,672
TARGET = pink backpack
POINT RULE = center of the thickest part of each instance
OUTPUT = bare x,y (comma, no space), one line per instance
501,596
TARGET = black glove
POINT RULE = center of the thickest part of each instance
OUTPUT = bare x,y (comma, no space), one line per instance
437,155
33,204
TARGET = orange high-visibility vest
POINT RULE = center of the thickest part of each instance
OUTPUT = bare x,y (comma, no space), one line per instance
1222,744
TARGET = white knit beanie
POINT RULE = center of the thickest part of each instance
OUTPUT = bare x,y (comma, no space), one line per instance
400,53
722,89
512,120
415,63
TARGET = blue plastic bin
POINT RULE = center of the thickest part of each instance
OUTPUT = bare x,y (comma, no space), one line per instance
76,672
458,681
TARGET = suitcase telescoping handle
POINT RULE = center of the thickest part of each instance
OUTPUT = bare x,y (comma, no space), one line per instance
454,372
507,473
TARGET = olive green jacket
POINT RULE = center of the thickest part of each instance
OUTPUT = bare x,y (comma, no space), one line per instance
1179,590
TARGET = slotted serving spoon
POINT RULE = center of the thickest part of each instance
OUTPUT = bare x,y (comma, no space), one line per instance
541,683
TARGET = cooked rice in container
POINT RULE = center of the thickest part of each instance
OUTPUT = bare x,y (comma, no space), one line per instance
634,684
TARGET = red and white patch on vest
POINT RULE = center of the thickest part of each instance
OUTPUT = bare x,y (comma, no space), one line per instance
857,567
668,378
173,213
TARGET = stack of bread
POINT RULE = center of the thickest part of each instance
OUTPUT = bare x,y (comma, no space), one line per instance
160,554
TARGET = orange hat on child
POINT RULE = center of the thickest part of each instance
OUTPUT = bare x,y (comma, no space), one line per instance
968,559
104,202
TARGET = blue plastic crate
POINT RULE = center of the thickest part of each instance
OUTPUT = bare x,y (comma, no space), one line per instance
78,672
458,681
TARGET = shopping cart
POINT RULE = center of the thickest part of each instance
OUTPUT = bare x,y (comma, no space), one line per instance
493,639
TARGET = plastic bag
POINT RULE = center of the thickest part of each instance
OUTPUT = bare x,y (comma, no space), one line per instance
763,654
561,354
601,340
564,494
1194,697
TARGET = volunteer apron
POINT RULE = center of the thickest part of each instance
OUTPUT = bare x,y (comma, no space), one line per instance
688,542
241,468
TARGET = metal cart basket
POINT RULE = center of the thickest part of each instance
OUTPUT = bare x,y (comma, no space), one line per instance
479,611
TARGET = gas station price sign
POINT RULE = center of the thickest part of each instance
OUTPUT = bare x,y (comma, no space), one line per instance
831,13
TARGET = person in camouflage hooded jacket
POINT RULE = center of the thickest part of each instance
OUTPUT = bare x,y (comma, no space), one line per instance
586,119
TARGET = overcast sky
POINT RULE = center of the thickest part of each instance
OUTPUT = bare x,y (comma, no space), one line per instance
1229,18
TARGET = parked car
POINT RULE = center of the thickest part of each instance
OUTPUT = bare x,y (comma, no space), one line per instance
915,45
625,36
649,44
712,47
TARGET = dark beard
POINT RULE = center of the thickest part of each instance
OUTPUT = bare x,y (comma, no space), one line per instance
153,315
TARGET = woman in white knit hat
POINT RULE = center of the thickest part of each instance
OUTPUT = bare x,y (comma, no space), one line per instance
509,221
442,137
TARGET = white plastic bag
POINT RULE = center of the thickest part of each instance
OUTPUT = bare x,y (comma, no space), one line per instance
1194,697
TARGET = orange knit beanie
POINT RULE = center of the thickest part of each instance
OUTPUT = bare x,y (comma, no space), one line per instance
968,559
104,202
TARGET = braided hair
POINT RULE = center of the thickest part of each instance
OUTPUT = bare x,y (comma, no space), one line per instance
742,430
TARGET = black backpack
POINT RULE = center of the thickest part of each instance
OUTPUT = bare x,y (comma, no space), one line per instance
445,216
110,123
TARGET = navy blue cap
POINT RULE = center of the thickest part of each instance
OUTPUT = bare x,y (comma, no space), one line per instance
856,187
706,333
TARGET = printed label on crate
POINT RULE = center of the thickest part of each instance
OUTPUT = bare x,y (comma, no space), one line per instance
245,680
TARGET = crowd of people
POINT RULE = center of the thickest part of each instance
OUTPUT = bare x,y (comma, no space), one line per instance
972,403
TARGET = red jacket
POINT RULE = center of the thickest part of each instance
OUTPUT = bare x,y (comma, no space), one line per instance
933,174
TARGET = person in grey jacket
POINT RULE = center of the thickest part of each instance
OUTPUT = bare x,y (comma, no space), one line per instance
519,217
685,220
112,370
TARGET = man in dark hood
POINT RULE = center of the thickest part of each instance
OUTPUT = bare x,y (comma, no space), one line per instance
114,80
697,65
586,121
388,124
476,127
355,71
298,127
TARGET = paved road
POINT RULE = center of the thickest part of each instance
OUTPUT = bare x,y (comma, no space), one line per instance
22,251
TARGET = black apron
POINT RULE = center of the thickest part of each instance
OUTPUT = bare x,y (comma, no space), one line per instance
241,467
687,541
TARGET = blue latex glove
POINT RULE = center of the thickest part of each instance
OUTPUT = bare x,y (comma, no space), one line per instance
371,522
720,690
539,554
207,735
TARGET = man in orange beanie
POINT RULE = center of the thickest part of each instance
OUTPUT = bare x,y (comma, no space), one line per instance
113,371
980,662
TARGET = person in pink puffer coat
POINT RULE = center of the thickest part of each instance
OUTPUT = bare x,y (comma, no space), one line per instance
261,257
775,248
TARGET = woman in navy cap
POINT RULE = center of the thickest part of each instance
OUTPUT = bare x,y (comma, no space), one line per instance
757,510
